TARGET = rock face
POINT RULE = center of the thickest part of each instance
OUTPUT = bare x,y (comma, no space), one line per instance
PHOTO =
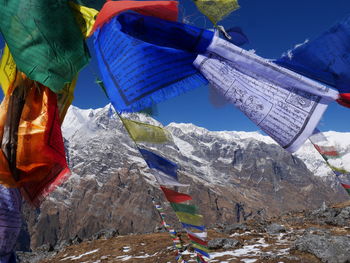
111,186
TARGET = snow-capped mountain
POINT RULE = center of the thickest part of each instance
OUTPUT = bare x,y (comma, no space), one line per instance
111,185
316,164
78,119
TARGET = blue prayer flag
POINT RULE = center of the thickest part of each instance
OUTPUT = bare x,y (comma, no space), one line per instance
202,252
326,58
157,162
145,60
10,221
238,38
184,225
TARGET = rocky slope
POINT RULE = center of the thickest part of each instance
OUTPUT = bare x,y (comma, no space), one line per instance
111,187
322,235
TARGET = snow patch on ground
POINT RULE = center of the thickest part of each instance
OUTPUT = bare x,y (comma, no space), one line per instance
80,256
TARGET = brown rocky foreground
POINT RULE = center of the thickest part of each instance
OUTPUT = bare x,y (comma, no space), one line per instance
322,235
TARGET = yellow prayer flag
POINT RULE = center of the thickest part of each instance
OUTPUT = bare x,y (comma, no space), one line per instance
142,132
65,98
85,17
8,70
203,248
196,220
216,10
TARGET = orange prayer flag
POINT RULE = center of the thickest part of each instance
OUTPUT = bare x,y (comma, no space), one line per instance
40,152
39,163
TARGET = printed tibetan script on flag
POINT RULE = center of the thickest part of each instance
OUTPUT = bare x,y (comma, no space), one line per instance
285,105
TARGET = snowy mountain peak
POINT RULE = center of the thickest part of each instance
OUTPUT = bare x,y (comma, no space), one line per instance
188,128
90,121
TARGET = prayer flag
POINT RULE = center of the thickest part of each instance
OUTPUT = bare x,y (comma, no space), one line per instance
6,177
167,10
346,187
186,218
166,180
198,240
201,249
332,157
328,151
39,131
237,36
10,221
184,225
65,98
175,197
216,10
284,104
344,99
191,209
44,39
9,140
145,60
165,33
200,235
325,58
143,132
85,17
8,70
200,259
157,162
39,162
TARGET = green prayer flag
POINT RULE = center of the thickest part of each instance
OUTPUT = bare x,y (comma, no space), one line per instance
196,220
44,39
339,170
143,132
190,209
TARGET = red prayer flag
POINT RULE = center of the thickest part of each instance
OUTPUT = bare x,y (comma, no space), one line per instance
344,99
346,186
329,151
202,260
175,197
167,10
197,240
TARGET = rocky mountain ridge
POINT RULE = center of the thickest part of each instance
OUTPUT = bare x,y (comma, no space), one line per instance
111,186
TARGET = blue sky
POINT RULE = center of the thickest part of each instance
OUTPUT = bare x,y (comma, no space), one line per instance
273,27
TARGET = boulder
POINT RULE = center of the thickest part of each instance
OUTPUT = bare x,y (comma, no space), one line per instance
105,233
230,229
225,243
330,249
331,216
275,229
